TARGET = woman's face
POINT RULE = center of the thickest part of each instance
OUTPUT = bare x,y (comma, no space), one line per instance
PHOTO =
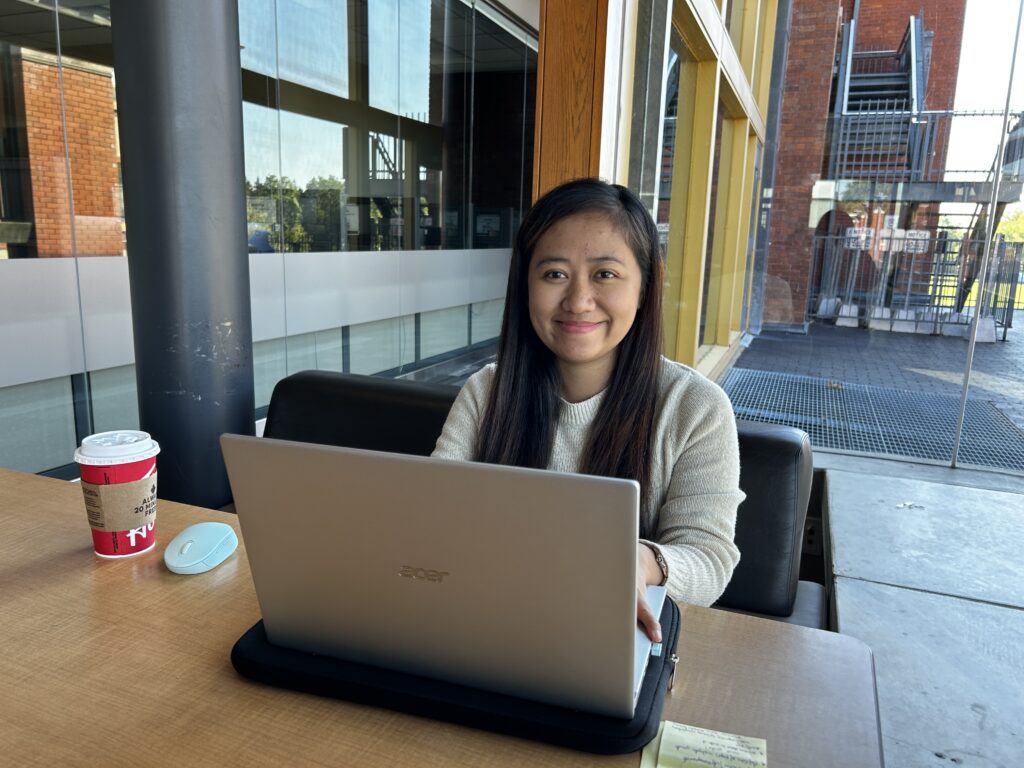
584,287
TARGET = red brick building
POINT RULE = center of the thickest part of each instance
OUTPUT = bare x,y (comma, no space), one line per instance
810,90
88,110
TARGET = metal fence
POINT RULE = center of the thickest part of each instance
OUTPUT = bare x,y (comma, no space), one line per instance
907,282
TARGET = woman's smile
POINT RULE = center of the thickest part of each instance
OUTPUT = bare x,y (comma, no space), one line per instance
577,326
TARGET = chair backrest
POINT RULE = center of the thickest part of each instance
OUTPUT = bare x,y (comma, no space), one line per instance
776,470
407,417
356,411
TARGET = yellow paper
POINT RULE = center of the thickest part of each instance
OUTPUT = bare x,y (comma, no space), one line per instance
684,746
649,758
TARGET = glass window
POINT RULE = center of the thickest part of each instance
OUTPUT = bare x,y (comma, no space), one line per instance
428,147
382,345
679,91
399,49
752,234
269,366
372,131
257,34
443,330
713,255
400,163
312,41
115,402
878,275
485,320
735,15
60,199
39,425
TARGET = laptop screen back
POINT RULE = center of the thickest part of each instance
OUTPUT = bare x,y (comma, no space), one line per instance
508,579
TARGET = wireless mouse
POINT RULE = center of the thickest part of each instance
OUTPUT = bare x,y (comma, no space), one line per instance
200,547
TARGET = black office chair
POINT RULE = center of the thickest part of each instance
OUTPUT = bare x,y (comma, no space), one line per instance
407,417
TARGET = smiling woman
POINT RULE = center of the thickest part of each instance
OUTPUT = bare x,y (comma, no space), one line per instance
580,386
584,293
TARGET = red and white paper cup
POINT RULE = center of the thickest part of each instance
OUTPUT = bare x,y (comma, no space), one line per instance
119,485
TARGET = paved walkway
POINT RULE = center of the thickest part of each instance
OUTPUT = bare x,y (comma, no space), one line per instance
946,624
928,364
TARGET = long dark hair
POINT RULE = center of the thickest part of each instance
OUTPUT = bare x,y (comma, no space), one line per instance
519,422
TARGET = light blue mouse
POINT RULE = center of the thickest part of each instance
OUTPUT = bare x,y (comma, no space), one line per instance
200,547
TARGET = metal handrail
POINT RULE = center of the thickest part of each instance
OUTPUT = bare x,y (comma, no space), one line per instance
852,43
895,144
912,32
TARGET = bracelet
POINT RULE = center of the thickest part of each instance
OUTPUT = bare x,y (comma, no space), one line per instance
660,560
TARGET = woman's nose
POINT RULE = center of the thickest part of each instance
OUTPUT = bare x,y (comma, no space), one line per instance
578,297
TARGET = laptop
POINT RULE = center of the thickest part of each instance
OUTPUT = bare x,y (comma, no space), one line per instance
519,581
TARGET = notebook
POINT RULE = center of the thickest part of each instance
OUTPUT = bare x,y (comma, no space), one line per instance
514,580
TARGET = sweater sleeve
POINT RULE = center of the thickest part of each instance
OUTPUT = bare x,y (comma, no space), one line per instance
458,440
696,522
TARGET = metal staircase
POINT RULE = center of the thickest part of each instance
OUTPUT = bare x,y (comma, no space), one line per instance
897,266
869,89
876,132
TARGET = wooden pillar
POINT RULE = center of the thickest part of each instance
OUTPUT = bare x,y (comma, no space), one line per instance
585,69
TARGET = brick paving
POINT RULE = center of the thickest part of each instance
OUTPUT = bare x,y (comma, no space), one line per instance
910,362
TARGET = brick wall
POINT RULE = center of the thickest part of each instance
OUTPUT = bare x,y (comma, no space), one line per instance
92,147
802,129
805,109
883,22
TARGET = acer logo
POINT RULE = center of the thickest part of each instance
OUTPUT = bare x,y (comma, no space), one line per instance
423,574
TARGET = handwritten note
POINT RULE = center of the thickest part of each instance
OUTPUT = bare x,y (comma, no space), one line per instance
685,746
649,758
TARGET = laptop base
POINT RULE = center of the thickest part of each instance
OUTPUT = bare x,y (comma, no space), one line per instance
254,657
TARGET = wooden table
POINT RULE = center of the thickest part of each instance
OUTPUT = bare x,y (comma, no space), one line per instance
122,663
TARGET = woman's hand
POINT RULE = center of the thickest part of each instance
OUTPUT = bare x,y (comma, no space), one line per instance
647,572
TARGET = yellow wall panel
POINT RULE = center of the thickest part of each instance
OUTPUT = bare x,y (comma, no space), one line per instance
737,210
688,217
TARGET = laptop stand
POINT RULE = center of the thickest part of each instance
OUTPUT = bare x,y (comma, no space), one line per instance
254,657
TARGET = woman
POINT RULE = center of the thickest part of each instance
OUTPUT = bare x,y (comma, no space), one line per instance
580,386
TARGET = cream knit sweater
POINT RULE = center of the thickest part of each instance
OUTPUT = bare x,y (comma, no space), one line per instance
694,473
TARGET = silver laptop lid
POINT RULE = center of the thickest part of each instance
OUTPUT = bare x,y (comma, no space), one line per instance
514,580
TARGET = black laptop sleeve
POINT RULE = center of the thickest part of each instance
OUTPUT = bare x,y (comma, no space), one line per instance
256,658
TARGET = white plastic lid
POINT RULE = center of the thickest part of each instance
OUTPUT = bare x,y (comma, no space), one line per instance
117,447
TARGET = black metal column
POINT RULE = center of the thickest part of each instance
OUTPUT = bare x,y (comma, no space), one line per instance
179,105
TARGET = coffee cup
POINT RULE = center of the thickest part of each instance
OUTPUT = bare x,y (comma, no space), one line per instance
118,471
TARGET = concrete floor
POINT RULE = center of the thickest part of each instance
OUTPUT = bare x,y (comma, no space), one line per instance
928,574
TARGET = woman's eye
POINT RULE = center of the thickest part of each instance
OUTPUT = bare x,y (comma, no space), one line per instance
554,274
605,274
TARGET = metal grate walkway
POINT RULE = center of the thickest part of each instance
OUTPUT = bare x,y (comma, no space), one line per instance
858,418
